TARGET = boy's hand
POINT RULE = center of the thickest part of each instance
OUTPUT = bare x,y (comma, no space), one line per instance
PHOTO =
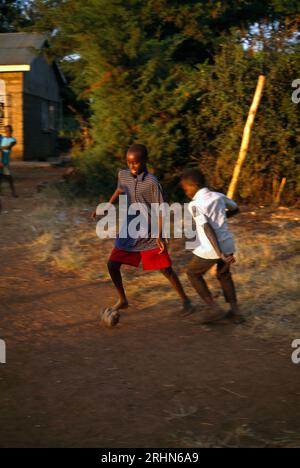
228,259
106,207
231,213
161,245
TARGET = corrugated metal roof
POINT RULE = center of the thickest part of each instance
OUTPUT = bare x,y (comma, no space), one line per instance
20,48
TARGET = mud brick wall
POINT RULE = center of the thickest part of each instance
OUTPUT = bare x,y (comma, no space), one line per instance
14,110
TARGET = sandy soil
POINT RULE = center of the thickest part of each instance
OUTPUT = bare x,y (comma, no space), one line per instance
156,380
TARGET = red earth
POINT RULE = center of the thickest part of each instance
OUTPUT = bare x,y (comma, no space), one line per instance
156,380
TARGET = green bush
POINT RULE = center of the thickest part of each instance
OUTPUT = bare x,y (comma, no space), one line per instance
177,76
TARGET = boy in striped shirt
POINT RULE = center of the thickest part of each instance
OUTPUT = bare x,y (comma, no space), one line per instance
141,187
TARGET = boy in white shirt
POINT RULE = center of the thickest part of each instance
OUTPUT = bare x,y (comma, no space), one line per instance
210,211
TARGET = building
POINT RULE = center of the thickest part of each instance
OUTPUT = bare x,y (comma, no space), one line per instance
30,95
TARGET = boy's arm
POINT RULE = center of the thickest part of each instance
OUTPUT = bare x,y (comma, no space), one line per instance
10,146
112,200
115,195
160,242
232,208
211,235
159,198
231,213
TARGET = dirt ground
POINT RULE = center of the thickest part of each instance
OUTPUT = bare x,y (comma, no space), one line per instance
156,380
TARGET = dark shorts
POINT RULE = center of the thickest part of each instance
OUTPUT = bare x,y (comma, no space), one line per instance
199,266
151,259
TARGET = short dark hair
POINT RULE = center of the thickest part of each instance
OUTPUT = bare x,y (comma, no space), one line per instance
194,176
139,149
10,127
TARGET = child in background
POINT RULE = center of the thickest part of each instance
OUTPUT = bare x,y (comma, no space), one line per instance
1,169
7,142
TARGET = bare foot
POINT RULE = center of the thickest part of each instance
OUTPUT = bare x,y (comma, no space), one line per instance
187,308
216,314
120,305
235,317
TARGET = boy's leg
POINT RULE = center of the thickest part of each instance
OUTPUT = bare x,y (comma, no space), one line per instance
118,258
12,185
114,269
1,180
225,278
170,274
154,261
195,271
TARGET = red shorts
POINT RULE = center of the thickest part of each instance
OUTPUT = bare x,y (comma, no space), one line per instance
151,259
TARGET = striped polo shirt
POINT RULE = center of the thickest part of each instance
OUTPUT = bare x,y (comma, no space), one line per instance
144,189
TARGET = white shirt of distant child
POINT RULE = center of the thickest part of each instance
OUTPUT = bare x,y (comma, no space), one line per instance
210,207
4,143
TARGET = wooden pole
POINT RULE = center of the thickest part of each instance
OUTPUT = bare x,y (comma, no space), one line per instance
246,136
280,190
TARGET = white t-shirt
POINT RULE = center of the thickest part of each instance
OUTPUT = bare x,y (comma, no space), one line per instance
210,207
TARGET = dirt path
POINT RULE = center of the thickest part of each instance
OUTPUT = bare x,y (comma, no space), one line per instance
154,381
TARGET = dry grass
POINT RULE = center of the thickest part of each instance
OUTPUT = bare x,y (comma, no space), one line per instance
266,274
267,278
59,237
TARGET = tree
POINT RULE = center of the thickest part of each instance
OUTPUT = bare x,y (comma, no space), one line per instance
13,15
174,74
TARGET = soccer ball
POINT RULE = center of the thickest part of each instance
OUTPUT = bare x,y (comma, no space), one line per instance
110,318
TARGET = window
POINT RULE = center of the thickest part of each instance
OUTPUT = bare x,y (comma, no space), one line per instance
2,104
5,107
48,116
52,117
